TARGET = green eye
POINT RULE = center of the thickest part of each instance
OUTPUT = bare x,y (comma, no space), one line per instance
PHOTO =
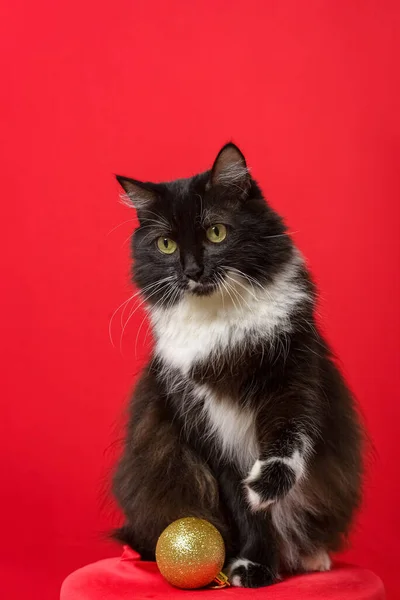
166,245
216,233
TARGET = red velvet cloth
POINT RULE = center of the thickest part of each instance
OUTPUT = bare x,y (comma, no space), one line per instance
129,577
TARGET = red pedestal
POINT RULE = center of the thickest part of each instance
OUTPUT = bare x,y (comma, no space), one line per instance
129,577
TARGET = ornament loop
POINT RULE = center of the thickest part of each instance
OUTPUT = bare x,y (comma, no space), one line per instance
220,581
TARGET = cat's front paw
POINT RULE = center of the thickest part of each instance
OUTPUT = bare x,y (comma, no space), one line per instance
268,481
245,573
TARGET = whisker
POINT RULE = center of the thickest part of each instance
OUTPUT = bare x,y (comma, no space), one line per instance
127,239
143,291
232,289
239,295
150,234
225,286
268,237
113,315
126,302
130,316
248,277
152,222
120,225
241,285
138,332
159,218
218,279
170,293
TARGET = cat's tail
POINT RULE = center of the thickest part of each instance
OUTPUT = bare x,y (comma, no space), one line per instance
125,535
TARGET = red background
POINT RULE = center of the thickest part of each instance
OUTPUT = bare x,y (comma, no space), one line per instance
310,91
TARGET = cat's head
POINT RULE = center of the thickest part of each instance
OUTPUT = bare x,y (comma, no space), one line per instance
197,235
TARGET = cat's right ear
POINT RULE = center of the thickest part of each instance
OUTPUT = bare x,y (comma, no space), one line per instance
137,193
230,170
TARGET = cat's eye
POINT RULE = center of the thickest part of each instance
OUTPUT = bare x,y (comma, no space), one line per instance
166,245
216,233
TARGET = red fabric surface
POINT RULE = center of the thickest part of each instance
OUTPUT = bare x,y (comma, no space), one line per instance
128,577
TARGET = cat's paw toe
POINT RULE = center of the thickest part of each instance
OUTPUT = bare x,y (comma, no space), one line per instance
255,500
245,573
268,481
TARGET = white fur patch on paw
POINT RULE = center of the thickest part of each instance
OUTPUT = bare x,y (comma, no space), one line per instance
254,500
295,462
320,561
239,562
255,472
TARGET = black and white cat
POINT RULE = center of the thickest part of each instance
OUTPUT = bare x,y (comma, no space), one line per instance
241,417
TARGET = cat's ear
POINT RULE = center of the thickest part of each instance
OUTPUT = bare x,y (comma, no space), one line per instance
137,193
230,170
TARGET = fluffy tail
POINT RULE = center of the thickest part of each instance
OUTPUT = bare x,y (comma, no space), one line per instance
126,535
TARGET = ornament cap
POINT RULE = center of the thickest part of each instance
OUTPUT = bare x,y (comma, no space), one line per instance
220,581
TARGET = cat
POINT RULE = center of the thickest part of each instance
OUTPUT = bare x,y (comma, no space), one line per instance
241,416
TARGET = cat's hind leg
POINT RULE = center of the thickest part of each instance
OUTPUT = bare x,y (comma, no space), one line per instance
316,561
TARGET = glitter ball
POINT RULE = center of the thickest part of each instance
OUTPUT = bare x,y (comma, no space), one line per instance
190,553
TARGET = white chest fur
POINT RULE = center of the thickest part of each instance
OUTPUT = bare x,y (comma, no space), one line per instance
230,428
198,326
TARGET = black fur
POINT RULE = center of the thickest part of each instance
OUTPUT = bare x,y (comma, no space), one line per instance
172,466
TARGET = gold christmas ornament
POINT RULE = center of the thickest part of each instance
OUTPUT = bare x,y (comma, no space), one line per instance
190,553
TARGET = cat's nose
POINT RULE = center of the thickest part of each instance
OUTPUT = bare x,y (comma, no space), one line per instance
193,270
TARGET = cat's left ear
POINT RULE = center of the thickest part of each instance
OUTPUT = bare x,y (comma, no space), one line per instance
230,170
138,194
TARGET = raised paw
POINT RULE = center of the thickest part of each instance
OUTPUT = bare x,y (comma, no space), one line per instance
245,573
268,481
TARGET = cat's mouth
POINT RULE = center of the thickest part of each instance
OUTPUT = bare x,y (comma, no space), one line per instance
198,288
